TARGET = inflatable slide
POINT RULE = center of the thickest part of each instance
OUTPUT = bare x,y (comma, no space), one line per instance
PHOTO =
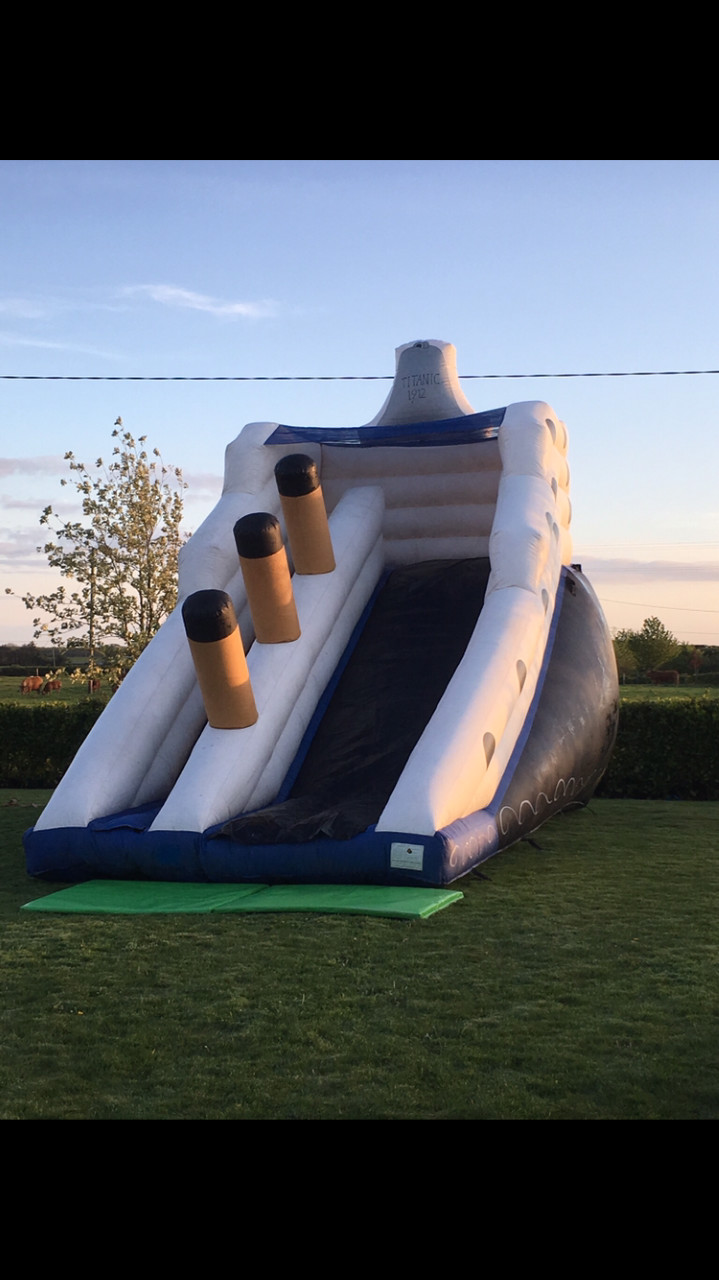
383,669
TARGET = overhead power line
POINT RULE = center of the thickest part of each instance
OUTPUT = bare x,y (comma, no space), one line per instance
334,377
680,608
629,542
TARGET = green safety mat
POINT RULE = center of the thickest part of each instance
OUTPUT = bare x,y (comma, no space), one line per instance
131,897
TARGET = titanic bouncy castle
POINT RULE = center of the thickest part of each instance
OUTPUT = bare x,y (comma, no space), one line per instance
384,667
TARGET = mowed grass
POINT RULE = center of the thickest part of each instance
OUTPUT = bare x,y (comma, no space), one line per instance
575,980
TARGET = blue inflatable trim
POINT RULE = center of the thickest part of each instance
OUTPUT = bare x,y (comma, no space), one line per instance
470,429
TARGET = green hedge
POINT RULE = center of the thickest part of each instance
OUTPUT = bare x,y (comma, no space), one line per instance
665,751
38,742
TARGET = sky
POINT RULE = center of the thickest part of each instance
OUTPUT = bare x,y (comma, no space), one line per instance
118,269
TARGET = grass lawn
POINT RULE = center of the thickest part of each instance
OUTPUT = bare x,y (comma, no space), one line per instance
576,980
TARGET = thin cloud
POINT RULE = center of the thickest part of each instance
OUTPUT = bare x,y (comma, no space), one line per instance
19,551
25,308
47,465
201,483
77,348
49,306
651,570
172,296
19,504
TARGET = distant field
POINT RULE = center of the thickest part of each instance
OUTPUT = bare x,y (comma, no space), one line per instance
70,693
665,693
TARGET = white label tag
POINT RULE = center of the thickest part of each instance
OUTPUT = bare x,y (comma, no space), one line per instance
408,856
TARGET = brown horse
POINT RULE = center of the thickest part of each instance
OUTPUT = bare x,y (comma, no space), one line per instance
32,684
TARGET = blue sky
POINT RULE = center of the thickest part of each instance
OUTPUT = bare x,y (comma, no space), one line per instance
115,268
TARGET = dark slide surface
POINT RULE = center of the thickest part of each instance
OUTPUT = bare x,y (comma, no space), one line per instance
411,644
